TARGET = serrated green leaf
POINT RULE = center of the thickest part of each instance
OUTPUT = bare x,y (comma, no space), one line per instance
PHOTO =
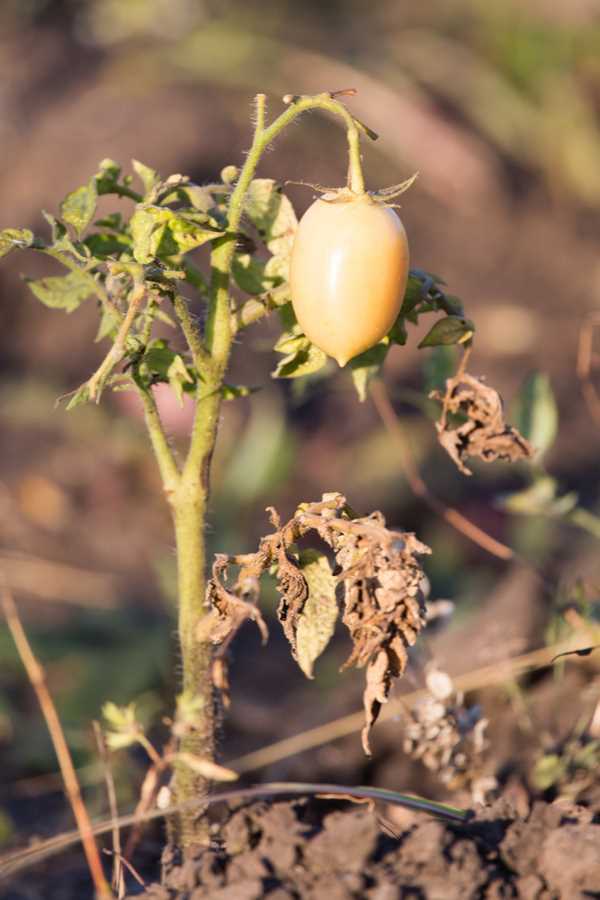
62,291
109,324
78,397
272,214
147,176
159,357
147,226
107,176
535,412
79,206
316,623
301,362
450,330
103,245
159,231
366,366
249,274
14,238
188,234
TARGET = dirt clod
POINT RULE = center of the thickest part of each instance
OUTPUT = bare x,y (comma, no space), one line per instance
309,849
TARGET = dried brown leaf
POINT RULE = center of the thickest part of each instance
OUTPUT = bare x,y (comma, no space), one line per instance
484,433
381,578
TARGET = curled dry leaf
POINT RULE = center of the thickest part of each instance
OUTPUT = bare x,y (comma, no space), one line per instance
482,431
384,605
378,570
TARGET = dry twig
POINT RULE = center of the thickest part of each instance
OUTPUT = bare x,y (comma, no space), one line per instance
118,881
38,681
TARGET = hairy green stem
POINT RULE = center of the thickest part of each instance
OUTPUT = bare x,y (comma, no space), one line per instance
189,499
218,326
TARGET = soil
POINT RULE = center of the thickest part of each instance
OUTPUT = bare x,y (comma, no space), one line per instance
313,849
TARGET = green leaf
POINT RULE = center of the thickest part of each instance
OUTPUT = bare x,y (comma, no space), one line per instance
179,377
250,274
103,245
316,623
147,176
124,727
159,231
535,412
272,214
187,234
78,397
63,291
366,366
278,269
438,366
548,770
147,227
397,333
109,324
450,330
415,292
14,238
303,361
540,499
165,365
78,207
107,176
291,341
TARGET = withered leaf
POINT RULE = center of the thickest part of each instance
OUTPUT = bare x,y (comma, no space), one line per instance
229,610
316,622
380,574
483,431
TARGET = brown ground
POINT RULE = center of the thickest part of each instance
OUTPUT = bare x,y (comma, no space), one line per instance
312,850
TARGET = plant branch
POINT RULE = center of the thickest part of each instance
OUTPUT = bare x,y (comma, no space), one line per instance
117,351
167,465
196,347
218,326
118,882
38,682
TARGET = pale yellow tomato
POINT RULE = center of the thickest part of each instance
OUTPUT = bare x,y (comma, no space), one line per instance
348,274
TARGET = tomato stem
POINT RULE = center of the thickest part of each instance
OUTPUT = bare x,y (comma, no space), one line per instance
187,489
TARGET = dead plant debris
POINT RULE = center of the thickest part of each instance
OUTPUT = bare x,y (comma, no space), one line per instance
377,579
481,430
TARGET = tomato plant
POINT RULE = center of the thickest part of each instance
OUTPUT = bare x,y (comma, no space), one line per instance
351,292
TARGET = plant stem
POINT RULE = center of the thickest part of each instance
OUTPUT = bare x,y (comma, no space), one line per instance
218,326
190,497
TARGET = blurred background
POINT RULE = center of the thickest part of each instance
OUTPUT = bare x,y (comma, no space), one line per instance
497,105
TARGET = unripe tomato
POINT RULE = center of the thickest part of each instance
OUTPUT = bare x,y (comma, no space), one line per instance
348,273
